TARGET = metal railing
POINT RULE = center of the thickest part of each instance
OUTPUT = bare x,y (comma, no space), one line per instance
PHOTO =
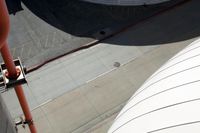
12,73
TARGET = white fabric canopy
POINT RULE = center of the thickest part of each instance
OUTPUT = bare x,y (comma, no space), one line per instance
168,102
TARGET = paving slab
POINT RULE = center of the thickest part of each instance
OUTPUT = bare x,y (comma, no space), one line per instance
100,90
84,109
45,30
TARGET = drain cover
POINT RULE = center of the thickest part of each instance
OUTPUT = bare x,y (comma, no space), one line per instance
116,64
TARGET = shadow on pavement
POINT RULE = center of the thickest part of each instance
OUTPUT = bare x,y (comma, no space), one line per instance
179,24
97,21
37,42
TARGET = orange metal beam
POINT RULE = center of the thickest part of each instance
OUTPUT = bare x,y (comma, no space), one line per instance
7,57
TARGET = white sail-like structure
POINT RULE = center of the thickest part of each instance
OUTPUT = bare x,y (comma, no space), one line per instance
169,101
126,2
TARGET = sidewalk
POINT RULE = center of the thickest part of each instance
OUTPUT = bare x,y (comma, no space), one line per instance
78,92
51,29
85,108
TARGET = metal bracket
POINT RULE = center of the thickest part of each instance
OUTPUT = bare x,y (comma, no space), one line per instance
2,85
21,121
6,82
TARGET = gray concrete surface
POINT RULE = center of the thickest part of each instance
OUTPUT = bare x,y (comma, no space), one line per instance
92,107
35,41
65,74
79,108
6,121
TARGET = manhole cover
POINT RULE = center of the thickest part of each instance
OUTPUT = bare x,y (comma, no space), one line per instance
116,64
102,32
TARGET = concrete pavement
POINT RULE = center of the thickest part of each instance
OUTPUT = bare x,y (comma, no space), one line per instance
55,28
79,92
89,107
